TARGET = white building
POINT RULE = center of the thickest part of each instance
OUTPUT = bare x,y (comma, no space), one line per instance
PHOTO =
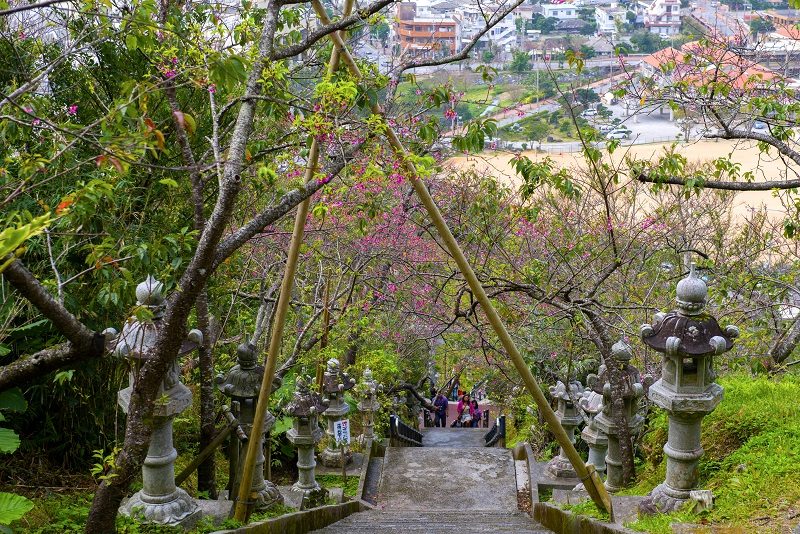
560,11
663,17
503,36
609,18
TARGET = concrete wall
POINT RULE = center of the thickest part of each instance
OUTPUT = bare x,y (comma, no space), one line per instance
300,522
565,522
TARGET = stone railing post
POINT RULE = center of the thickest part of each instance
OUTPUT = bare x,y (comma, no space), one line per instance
689,339
570,418
159,500
243,385
305,433
334,384
368,404
632,390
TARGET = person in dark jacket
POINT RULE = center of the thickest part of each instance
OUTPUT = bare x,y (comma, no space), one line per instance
440,416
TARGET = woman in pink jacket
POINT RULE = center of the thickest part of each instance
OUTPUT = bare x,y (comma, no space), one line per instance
464,411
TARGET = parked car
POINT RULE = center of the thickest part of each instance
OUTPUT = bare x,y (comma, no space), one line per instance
591,112
619,133
606,128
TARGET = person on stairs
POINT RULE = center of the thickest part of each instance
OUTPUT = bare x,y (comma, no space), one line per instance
464,411
475,413
440,413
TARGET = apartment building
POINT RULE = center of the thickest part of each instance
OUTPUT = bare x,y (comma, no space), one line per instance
426,36
663,17
608,19
560,11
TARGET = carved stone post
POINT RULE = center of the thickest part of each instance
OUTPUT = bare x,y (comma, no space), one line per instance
334,384
688,338
368,404
632,391
243,385
159,500
592,404
570,418
305,434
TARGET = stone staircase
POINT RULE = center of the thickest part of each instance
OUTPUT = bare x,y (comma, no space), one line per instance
450,484
431,522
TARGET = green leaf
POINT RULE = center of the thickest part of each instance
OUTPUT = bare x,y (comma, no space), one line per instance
12,507
12,237
168,182
62,377
131,42
281,425
13,400
9,440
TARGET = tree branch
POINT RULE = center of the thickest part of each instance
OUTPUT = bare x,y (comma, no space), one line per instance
341,24
286,203
29,287
464,53
731,133
725,186
83,343
28,7
28,368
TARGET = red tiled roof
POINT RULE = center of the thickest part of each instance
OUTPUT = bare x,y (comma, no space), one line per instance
790,32
662,57
698,64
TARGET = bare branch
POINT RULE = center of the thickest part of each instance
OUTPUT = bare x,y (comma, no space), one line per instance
341,24
464,53
28,7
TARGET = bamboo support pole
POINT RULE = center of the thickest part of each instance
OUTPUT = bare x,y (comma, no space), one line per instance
244,498
597,491
232,425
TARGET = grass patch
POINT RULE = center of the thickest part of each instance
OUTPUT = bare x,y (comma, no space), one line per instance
661,524
336,481
752,449
67,514
274,511
587,508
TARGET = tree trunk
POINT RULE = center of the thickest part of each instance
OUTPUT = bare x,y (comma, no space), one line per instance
786,342
192,282
103,512
206,473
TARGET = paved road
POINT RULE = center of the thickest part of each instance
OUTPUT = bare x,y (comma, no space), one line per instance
719,18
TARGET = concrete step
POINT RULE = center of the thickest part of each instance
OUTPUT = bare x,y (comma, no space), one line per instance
432,522
450,479
453,437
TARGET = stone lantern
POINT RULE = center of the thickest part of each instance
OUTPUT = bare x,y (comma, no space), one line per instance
592,404
304,408
334,384
632,390
570,418
368,404
159,500
689,339
243,385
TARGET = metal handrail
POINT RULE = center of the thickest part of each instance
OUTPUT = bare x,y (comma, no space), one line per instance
497,434
402,435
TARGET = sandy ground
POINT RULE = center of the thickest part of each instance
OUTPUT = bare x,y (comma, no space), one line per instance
744,152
